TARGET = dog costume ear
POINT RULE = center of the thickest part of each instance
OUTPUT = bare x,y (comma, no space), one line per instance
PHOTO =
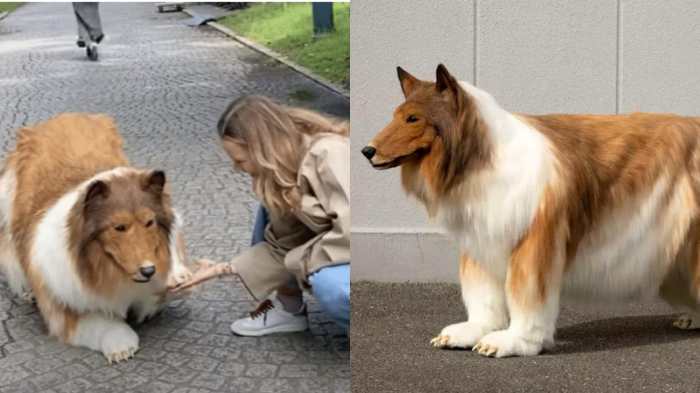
155,182
444,80
96,190
408,81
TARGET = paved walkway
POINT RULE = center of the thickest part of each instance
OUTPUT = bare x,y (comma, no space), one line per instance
631,348
165,83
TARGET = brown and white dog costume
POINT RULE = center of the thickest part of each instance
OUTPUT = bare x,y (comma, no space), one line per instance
603,207
90,237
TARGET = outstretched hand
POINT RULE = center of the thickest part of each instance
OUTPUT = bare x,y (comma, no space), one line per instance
205,270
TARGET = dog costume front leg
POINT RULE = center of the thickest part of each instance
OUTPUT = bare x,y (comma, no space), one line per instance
109,335
533,287
485,301
113,337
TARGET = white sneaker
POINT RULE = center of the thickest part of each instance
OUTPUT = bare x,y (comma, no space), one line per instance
270,317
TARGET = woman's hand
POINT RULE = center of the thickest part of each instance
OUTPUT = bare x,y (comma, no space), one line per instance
205,270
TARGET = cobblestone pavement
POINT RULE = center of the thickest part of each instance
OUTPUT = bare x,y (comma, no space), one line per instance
165,83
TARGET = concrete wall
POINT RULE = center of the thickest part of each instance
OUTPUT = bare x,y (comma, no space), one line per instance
604,56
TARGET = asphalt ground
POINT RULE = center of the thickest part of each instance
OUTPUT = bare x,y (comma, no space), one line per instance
621,348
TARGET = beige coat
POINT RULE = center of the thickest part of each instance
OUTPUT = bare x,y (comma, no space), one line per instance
315,237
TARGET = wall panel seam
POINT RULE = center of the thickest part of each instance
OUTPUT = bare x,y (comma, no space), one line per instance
618,60
474,44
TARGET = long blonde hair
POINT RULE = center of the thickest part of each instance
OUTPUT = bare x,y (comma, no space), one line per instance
276,138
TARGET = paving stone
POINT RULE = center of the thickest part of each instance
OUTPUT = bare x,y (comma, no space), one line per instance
298,371
282,357
231,369
20,387
165,84
200,326
194,349
148,369
225,353
74,386
192,390
155,387
202,363
243,385
73,370
129,381
12,375
261,370
44,364
48,380
214,340
178,376
209,381
104,374
15,359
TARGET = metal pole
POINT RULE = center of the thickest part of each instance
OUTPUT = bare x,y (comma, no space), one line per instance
323,17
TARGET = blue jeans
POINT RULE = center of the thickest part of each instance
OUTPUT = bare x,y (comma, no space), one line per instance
330,285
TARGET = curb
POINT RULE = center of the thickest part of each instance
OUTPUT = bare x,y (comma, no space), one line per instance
3,15
278,57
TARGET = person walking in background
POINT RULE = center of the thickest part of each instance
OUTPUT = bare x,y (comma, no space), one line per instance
89,27
299,163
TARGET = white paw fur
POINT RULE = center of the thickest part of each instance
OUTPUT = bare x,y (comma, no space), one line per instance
147,308
113,337
460,335
687,322
119,343
503,343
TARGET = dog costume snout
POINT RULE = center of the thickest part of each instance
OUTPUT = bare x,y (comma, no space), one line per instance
369,152
148,271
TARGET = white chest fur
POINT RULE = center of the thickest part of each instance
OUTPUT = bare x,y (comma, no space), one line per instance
492,210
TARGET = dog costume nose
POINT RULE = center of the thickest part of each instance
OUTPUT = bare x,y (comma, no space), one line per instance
148,271
369,151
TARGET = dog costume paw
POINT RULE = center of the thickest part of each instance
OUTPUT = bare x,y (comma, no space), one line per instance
687,322
503,343
120,343
460,335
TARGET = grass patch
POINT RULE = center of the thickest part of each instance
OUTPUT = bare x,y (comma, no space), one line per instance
287,28
9,7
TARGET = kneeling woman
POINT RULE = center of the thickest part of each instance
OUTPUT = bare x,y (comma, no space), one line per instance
299,164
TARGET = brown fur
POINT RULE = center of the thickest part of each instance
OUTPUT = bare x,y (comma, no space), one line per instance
53,158
536,260
609,158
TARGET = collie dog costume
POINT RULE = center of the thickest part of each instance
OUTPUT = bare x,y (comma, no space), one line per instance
89,237
601,207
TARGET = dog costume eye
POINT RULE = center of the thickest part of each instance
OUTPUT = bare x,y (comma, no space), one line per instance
411,119
120,228
149,223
